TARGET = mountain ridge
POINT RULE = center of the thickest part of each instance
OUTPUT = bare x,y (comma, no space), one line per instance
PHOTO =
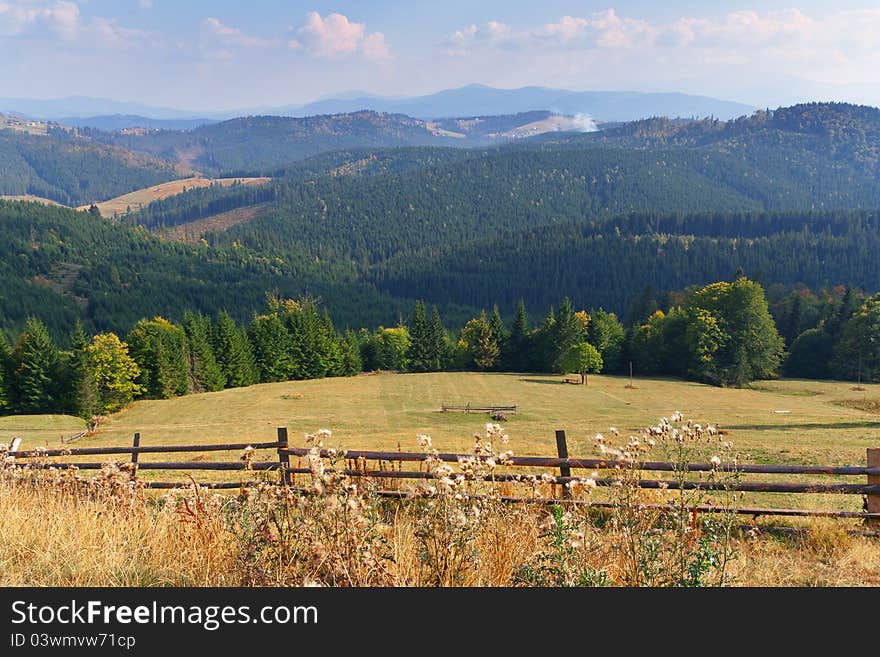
469,100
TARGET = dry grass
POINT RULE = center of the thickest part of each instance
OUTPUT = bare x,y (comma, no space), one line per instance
143,197
194,231
51,537
29,197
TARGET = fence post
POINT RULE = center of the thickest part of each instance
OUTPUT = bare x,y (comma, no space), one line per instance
873,505
283,456
134,456
562,451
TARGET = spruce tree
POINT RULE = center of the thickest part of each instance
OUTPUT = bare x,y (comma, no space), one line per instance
420,348
233,352
307,342
349,347
270,340
568,332
79,392
329,347
545,347
499,332
439,352
204,371
35,371
5,353
518,357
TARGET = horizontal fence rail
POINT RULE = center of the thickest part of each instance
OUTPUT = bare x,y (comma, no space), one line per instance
153,449
357,461
603,464
486,408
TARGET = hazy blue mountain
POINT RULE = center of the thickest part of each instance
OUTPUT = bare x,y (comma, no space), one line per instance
480,100
472,100
112,122
84,106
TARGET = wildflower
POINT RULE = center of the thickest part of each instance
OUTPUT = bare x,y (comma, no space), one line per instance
599,438
424,441
677,416
614,431
715,461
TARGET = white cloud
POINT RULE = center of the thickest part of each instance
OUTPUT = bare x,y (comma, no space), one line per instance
62,22
601,30
375,48
336,37
61,18
788,30
232,36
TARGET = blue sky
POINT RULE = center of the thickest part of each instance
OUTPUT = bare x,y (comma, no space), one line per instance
224,54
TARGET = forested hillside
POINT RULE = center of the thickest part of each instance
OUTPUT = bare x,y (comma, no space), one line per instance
790,197
264,143
60,264
72,169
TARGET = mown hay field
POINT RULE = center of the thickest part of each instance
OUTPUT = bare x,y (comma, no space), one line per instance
786,421
143,197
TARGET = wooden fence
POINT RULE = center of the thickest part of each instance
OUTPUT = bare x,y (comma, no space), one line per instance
486,408
358,465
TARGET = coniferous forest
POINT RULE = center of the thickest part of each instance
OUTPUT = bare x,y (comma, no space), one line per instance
658,243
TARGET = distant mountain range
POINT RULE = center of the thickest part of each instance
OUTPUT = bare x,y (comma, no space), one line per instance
480,100
369,211
472,100
114,122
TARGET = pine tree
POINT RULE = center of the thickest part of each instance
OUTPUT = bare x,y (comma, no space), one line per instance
5,354
567,333
307,343
233,352
518,355
351,354
792,326
439,352
330,347
545,343
420,340
499,333
80,395
35,371
204,371
270,340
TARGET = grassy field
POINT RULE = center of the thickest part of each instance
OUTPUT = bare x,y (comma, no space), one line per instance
29,197
37,430
143,197
791,421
